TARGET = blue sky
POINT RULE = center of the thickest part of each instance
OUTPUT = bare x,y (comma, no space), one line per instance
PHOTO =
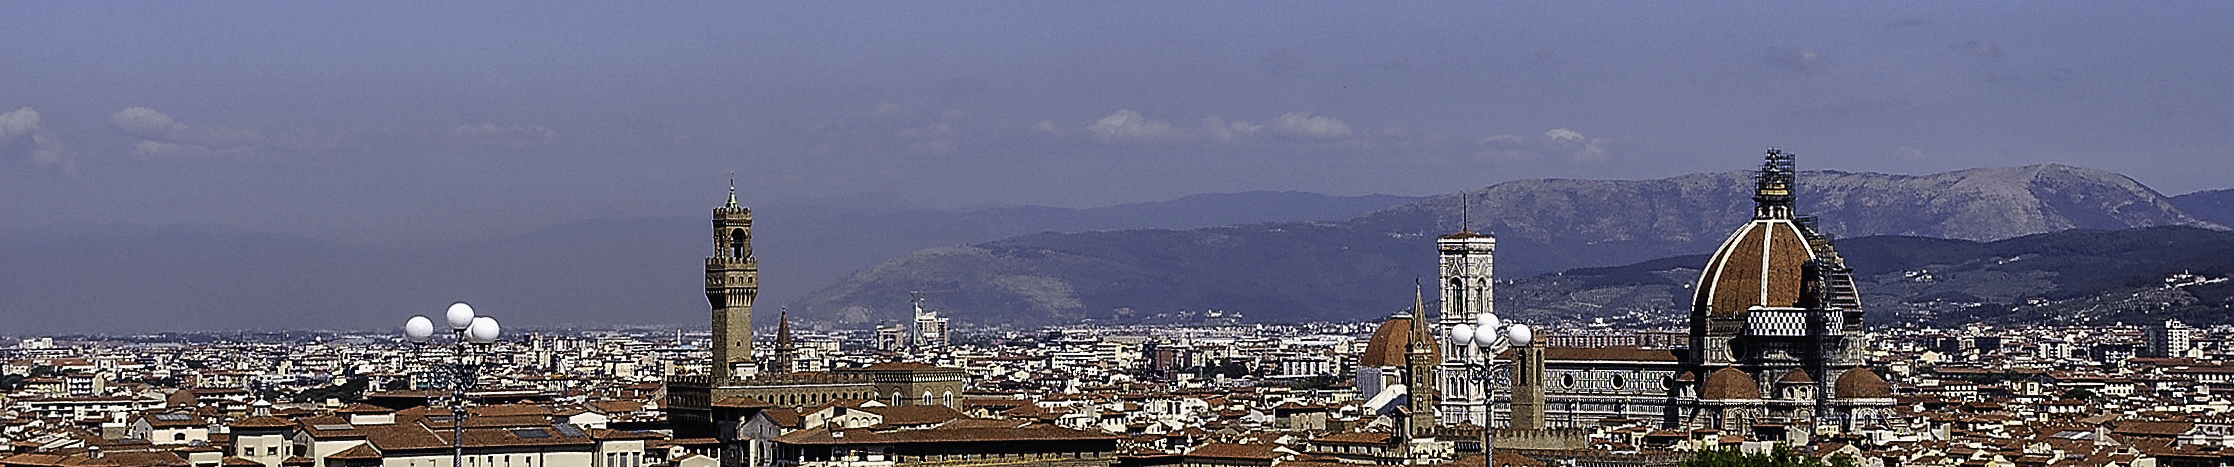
401,121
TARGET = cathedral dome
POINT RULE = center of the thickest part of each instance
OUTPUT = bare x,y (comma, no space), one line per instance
1796,377
1860,383
1729,383
1392,340
1763,264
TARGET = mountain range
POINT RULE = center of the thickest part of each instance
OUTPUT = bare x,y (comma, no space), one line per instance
139,278
1361,267
1267,256
2071,277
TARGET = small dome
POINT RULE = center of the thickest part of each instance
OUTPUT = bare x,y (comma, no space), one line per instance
1687,377
1391,341
1729,383
1796,377
1860,383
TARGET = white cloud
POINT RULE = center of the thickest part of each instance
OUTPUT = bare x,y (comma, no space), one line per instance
1048,127
1246,128
1796,59
1593,152
149,147
928,131
144,123
1217,128
21,128
1565,136
18,123
1979,48
1312,126
150,125
493,135
1554,143
888,109
1909,154
1127,125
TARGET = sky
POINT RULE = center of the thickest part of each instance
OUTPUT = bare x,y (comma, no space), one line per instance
399,122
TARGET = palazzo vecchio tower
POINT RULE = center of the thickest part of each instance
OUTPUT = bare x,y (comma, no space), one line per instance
732,281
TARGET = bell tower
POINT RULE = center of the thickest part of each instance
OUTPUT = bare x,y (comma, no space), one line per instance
732,281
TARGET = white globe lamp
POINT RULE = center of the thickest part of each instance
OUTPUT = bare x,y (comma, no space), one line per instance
1485,337
1463,334
1521,335
460,316
418,329
483,330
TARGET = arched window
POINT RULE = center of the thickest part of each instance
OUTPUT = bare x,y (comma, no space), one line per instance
926,397
737,243
178,437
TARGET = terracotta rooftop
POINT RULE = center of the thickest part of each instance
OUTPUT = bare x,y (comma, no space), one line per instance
938,435
1236,451
914,414
262,422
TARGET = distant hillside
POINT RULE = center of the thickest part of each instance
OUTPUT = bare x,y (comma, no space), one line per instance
2213,205
1362,267
2069,277
127,278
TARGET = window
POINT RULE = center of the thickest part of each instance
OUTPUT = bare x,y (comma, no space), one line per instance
178,437
271,450
1617,382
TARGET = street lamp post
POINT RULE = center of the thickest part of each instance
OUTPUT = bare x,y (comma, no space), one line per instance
470,338
1490,337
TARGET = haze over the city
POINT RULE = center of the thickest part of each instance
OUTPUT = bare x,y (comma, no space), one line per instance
432,122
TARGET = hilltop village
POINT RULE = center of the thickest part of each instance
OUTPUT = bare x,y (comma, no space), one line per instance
1775,355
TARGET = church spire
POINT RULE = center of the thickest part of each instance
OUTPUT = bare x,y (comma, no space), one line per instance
1419,362
733,189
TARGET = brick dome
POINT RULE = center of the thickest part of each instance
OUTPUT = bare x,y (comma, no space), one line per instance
1729,383
1761,265
1860,383
1392,340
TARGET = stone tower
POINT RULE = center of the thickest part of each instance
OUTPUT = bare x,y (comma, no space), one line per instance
1467,261
1419,359
787,350
1528,386
732,281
